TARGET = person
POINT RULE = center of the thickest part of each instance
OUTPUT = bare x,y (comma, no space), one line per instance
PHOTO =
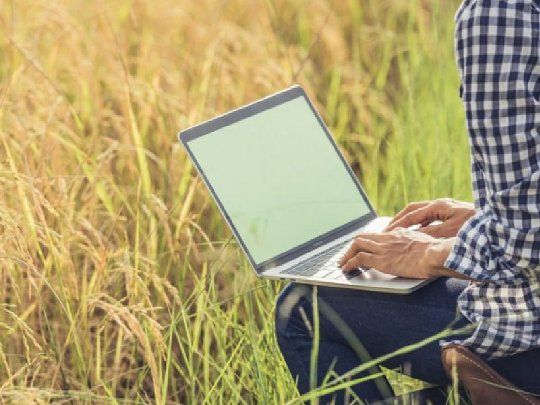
485,257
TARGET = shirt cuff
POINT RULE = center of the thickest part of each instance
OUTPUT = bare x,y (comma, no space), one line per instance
473,257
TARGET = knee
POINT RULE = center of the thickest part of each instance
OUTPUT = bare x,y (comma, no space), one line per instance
290,311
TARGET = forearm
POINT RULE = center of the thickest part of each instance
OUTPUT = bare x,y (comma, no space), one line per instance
496,249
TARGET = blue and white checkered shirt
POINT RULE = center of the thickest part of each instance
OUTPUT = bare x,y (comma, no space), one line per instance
498,50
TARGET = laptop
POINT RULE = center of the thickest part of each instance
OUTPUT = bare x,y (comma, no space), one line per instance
288,195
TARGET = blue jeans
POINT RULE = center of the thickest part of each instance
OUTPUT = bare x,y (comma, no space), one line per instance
358,325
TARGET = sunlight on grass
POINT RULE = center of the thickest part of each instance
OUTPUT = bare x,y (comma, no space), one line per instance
120,278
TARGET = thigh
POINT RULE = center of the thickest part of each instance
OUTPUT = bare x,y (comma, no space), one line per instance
383,323
522,369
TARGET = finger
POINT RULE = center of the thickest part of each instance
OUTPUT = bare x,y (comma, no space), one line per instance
379,237
437,231
409,208
359,245
423,215
361,259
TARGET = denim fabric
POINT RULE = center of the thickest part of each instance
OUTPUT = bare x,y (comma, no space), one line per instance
356,326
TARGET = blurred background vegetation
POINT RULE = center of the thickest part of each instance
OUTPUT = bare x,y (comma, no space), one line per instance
120,279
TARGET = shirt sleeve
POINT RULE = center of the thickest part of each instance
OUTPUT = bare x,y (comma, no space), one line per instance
497,53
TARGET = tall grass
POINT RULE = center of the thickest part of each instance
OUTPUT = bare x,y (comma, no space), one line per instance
120,279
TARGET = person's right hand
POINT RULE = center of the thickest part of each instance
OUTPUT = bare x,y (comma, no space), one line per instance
452,215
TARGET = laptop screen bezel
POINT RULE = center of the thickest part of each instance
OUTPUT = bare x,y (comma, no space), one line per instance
247,111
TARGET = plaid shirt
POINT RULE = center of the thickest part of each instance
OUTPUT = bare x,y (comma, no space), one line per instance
498,50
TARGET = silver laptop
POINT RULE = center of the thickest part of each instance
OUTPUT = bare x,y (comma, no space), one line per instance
290,198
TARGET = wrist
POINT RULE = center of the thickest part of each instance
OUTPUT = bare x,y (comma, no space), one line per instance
436,255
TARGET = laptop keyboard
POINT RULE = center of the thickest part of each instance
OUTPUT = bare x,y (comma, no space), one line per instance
325,260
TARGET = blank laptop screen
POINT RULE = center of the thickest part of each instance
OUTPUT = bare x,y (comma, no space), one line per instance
279,179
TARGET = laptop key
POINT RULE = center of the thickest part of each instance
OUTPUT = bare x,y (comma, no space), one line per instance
325,260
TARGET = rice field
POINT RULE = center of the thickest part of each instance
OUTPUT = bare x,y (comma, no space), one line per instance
121,282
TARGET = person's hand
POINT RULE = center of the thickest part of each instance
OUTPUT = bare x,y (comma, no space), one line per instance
402,252
451,213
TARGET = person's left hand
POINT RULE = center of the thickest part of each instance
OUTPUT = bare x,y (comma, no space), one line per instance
401,252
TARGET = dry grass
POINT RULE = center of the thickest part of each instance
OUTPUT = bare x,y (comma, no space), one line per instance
120,279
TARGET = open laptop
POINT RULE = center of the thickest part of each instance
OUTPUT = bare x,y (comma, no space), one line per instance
290,198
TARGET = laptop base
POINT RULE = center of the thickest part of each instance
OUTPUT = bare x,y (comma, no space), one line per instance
367,280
